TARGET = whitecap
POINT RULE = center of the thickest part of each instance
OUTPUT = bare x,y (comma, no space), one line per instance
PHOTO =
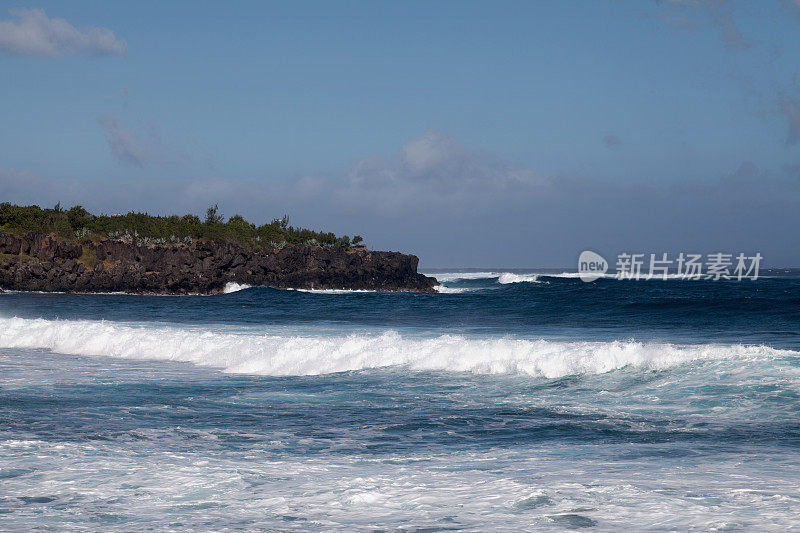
232,286
280,354
510,277
443,289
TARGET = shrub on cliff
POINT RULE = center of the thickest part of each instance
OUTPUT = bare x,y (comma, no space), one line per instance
78,223
20,219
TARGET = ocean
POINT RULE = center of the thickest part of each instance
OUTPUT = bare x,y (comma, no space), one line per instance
512,400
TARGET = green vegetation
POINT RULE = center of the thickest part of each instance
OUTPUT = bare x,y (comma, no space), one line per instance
88,257
78,224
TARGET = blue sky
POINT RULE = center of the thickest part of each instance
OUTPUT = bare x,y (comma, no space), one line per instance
490,134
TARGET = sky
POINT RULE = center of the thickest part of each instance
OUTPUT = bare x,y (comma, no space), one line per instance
472,134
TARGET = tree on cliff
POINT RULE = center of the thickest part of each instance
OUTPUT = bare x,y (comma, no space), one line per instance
211,215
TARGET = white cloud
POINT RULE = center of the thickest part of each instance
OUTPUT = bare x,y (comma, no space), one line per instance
428,173
35,34
434,170
136,148
125,145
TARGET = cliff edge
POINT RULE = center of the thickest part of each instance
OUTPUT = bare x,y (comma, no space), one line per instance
44,262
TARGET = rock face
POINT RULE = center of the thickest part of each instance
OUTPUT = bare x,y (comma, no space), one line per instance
38,262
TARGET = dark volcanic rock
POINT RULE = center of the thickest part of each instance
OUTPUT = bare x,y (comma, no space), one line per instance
38,262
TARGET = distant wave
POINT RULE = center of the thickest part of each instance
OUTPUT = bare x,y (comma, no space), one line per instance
232,286
571,275
511,277
332,291
502,277
270,354
443,289
643,277
444,277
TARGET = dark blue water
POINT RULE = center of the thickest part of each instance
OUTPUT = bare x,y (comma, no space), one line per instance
545,403
766,310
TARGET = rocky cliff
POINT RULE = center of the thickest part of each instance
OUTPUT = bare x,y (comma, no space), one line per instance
40,262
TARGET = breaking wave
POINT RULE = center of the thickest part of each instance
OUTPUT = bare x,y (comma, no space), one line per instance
332,291
282,355
510,277
443,289
502,277
232,286
444,277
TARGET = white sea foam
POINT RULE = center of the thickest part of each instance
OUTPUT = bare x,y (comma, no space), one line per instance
285,354
510,277
444,277
443,289
232,286
332,291
611,275
502,277
506,488
571,275
535,277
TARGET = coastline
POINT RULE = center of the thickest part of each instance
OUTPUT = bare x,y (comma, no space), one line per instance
45,263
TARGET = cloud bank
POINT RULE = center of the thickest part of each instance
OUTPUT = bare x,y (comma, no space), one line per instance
434,171
33,33
455,205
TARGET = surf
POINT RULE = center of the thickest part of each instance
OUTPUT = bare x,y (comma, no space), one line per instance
278,352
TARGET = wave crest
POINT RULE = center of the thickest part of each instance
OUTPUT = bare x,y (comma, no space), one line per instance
509,277
444,277
282,355
502,277
443,289
232,286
